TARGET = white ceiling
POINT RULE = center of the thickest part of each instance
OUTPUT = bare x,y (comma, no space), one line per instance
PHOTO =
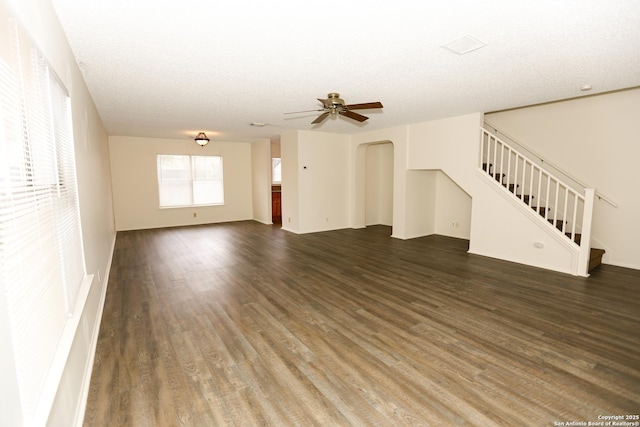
172,68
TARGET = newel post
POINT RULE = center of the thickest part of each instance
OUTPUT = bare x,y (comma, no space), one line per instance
585,240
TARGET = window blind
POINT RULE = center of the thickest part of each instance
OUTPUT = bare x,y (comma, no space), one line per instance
41,253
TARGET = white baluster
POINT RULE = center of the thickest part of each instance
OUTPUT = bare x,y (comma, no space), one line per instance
585,242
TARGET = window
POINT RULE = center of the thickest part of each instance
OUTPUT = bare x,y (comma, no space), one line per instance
276,170
41,252
190,180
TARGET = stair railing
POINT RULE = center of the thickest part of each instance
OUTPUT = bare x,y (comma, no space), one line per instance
564,209
543,162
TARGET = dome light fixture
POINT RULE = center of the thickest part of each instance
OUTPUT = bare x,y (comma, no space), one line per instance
201,139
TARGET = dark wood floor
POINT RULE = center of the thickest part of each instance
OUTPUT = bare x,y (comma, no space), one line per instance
245,324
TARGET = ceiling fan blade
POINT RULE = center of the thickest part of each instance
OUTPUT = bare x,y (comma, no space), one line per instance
364,106
321,117
354,116
305,111
326,102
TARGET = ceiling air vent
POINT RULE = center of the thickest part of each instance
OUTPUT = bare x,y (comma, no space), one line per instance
464,44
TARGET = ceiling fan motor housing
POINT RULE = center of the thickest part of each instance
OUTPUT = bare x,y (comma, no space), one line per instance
335,99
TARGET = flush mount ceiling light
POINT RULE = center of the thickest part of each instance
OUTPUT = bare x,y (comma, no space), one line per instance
201,139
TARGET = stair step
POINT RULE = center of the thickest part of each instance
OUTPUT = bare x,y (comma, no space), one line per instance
542,211
511,187
488,167
576,238
595,258
558,223
524,198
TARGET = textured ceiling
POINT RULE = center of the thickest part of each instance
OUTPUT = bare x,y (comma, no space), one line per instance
172,68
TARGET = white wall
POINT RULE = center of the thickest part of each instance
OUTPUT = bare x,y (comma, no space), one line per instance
261,180
323,181
72,373
420,204
275,148
597,140
289,195
448,144
135,182
453,208
319,163
379,184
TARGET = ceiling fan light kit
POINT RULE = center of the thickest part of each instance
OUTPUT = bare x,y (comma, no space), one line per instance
336,105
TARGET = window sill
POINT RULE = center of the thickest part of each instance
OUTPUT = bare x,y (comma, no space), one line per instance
191,206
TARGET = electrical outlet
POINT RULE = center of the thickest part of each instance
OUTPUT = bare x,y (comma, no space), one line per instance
195,215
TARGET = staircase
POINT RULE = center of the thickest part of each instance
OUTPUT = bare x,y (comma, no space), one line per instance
565,210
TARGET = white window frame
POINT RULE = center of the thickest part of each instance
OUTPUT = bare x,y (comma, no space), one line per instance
211,181
42,268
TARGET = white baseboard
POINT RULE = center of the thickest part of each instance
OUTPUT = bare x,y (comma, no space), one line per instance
623,265
291,230
263,222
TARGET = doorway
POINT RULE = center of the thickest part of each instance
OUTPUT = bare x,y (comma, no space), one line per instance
378,188
276,183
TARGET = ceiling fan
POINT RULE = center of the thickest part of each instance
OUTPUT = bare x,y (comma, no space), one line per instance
334,105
